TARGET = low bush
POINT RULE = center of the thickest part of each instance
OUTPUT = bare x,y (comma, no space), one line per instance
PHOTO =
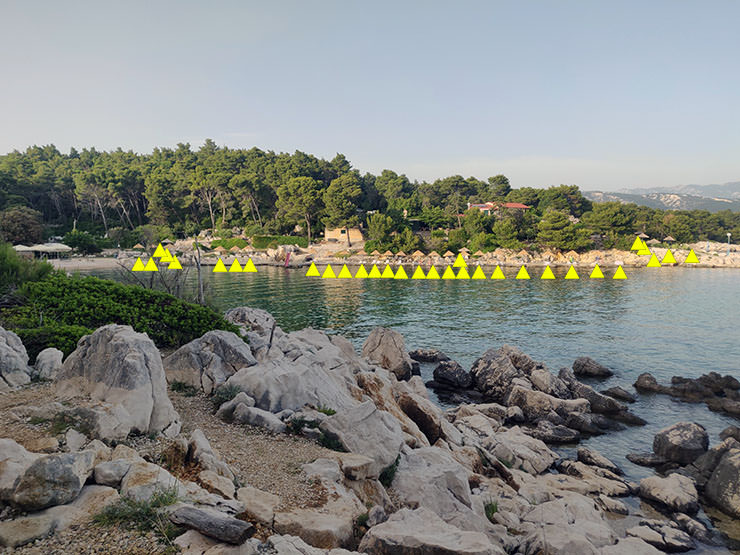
224,394
186,389
229,243
143,516
389,473
16,270
264,241
90,302
326,410
491,508
60,336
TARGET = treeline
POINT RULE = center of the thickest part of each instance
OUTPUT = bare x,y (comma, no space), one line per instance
129,198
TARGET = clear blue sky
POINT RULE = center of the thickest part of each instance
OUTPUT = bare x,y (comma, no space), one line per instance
602,94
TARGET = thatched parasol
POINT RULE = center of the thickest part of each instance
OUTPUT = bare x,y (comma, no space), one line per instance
417,254
643,236
448,253
401,253
669,239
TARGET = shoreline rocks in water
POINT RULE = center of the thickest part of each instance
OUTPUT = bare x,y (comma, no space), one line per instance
719,393
475,478
557,409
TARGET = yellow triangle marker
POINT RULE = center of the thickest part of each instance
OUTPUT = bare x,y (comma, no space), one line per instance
250,268
522,273
313,271
175,264
463,274
418,273
361,272
691,258
432,273
328,272
460,262
619,274
637,245
572,274
668,258
159,251
654,262
478,274
220,267
235,266
498,273
374,272
167,256
401,273
387,272
547,274
344,273
151,266
138,265
597,273
449,274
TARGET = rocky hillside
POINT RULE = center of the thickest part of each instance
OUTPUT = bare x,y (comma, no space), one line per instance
667,200
274,442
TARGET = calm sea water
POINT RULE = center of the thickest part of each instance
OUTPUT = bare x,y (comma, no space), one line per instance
667,321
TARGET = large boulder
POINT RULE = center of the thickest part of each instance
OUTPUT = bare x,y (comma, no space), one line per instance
365,430
681,443
14,461
48,363
14,369
210,360
599,403
387,348
276,385
53,480
536,404
586,366
120,367
675,492
723,486
419,532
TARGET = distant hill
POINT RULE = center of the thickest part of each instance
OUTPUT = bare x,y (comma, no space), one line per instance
682,197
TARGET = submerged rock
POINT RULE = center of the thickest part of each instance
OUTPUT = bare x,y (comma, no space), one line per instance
586,366
428,355
449,373
682,443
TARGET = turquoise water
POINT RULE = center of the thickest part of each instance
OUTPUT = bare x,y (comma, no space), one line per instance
667,321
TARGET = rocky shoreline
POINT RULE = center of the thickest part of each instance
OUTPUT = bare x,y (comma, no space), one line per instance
378,467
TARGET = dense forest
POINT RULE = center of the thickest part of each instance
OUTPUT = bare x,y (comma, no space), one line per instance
121,198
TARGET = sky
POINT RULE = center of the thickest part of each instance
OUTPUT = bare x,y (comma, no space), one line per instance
604,95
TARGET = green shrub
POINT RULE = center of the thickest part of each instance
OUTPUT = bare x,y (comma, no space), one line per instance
295,425
144,516
16,270
186,389
264,241
90,302
224,394
326,410
331,442
491,509
59,336
229,243
389,473
362,520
